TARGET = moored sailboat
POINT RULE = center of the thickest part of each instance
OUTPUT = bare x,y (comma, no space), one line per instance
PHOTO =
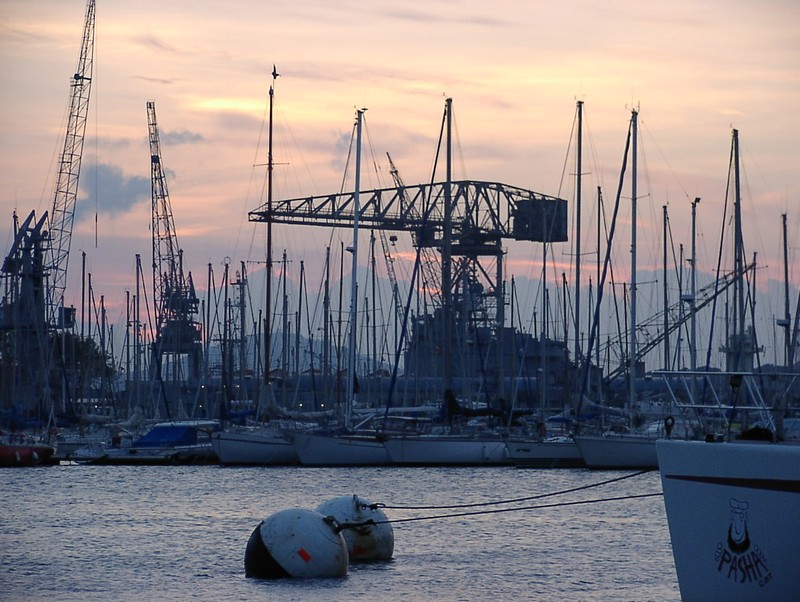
346,446
734,518
177,442
257,445
20,450
448,450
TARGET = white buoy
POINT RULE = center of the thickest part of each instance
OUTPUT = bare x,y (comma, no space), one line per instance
367,543
296,543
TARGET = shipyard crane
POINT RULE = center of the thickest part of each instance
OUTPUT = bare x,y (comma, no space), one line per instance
69,169
464,220
175,301
429,262
483,214
23,328
34,272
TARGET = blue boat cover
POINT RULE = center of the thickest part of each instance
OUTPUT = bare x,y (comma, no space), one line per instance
168,436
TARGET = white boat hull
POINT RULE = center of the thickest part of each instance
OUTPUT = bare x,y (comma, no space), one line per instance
315,449
187,454
544,454
177,442
734,518
263,446
447,450
618,451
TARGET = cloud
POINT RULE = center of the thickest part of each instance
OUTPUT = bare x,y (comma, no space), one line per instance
181,137
156,80
154,43
416,16
107,190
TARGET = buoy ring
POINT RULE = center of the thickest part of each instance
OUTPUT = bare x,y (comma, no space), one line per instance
669,423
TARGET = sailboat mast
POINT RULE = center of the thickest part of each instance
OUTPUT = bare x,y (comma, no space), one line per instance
738,323
786,317
578,235
374,303
665,289
447,236
268,310
299,319
543,321
693,308
326,318
354,275
137,320
599,251
633,351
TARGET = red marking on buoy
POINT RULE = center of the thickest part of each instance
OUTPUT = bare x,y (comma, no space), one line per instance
304,555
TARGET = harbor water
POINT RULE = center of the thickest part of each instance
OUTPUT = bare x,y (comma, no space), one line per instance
120,533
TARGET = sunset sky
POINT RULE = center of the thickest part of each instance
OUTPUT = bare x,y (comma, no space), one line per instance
696,69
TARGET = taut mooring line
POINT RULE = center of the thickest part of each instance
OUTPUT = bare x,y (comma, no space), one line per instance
517,500
498,510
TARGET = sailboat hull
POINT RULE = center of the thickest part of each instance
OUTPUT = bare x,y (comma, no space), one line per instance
317,449
447,450
263,446
527,453
25,454
734,518
618,451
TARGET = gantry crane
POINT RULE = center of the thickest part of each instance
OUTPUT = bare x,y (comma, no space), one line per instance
464,220
175,301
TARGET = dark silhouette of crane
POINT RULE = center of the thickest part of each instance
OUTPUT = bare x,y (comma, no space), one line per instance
66,190
176,304
465,221
34,272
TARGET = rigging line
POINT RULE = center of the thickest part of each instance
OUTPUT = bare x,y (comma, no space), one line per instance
498,510
459,150
719,263
567,155
679,275
606,261
664,157
521,499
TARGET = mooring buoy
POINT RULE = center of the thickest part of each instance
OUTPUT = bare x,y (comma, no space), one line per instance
296,543
370,538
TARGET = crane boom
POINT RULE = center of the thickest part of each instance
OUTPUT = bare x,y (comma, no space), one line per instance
483,213
705,296
175,301
174,295
69,169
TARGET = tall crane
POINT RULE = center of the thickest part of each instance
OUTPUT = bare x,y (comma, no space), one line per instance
466,221
175,301
69,169
34,272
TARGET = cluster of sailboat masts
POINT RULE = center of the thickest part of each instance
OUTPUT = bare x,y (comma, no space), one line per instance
442,331
319,374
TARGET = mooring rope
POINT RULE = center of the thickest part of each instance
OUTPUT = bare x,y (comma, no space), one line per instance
370,522
516,500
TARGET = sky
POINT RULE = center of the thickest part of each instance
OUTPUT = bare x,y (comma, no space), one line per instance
694,69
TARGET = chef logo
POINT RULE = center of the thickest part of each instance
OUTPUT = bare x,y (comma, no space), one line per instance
738,558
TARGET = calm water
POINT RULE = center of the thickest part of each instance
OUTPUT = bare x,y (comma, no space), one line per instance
179,533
